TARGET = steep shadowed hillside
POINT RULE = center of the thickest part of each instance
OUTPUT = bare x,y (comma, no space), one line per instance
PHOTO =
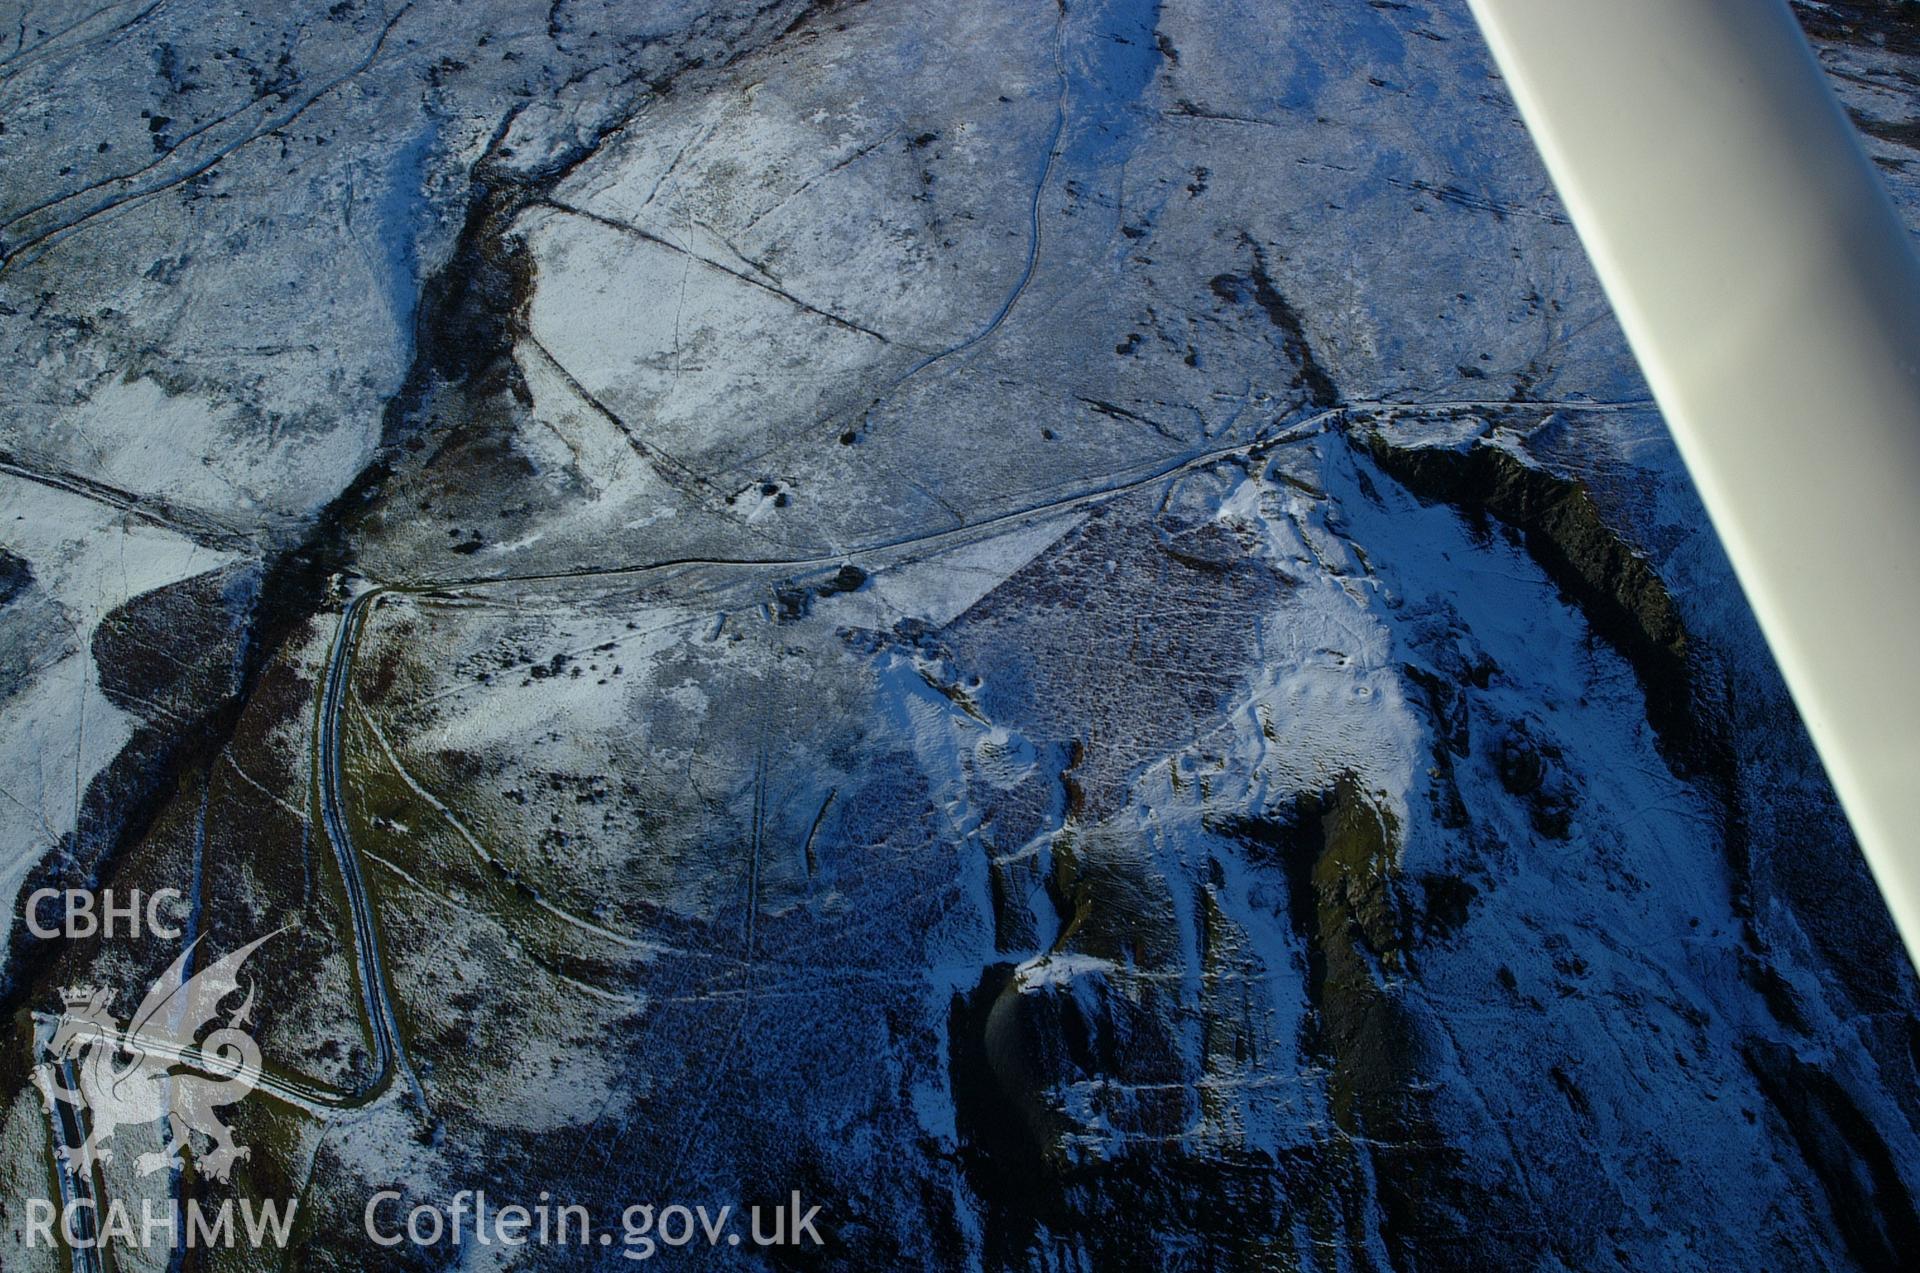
1064,627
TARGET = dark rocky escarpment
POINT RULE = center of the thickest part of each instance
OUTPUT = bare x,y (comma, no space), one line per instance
1361,923
1817,1099
1624,600
1562,528
896,678
1023,1036
1870,1203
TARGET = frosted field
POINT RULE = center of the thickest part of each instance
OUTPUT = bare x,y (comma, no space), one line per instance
1066,628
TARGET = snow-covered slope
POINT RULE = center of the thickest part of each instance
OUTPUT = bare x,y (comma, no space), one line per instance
1065,627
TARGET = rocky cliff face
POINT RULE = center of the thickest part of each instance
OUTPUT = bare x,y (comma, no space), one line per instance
1064,627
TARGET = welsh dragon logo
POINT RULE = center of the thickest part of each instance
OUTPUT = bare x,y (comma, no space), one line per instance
153,1068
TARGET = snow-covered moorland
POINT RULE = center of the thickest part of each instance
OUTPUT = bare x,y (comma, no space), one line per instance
1063,626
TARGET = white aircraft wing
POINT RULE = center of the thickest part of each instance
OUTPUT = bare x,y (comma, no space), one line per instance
1772,298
